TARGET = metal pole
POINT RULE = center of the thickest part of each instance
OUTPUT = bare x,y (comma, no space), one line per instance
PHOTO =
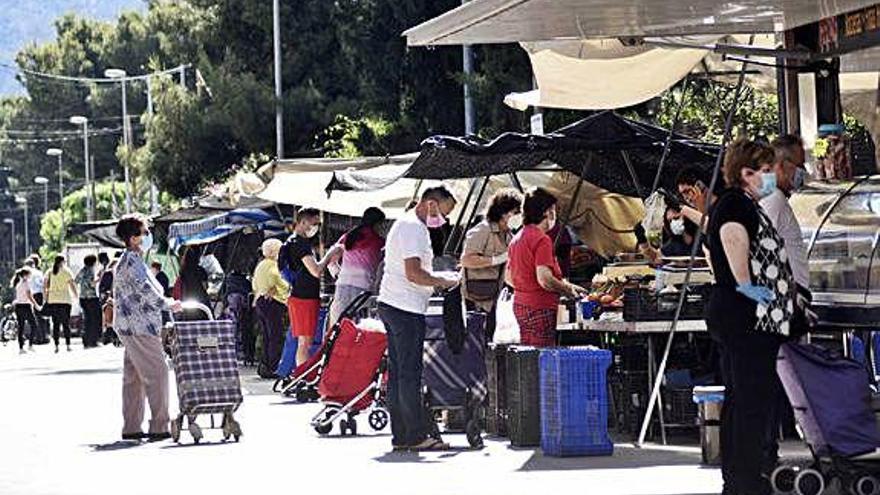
61,197
149,97
470,116
27,230
45,198
658,378
183,76
89,195
276,43
127,145
12,243
669,136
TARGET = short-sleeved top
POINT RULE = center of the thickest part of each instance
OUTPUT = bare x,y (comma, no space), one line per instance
306,286
267,277
729,309
359,263
36,281
85,280
59,287
21,292
782,216
529,249
485,239
408,238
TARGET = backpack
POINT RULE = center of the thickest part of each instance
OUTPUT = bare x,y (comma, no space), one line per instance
289,267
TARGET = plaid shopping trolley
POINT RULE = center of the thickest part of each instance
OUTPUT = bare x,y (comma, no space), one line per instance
204,357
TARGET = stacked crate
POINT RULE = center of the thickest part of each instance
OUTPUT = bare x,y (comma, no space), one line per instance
523,399
496,381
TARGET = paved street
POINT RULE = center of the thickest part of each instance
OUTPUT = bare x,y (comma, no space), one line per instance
60,422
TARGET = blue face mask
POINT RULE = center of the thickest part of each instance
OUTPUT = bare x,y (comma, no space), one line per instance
147,242
768,184
800,177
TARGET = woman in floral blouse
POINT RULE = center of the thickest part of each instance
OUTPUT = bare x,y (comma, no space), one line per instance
138,305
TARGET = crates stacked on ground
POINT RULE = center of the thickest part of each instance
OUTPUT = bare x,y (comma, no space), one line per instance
523,397
496,382
574,401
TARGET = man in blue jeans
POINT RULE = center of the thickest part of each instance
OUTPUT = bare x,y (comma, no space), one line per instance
407,285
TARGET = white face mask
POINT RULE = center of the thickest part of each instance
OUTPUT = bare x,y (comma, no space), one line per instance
514,222
313,230
551,222
147,242
676,225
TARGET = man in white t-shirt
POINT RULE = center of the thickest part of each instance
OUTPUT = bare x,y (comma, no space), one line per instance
407,285
790,176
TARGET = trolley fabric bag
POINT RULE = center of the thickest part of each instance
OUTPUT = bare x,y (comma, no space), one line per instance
449,375
205,366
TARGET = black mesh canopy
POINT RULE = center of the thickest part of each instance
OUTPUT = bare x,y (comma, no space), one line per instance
612,152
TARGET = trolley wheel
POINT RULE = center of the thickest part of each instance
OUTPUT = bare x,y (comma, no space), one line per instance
378,419
472,431
809,482
324,428
865,485
175,429
304,395
782,479
352,427
278,385
195,431
312,394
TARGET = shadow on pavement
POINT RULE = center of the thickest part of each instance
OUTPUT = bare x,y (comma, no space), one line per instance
624,457
187,444
403,458
117,445
91,371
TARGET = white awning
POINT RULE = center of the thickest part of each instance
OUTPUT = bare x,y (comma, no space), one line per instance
512,21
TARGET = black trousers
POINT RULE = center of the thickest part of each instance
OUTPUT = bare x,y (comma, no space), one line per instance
42,322
748,367
60,314
24,314
91,308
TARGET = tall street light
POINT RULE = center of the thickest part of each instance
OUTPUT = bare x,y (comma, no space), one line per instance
276,45
89,171
27,232
45,183
121,74
58,152
11,224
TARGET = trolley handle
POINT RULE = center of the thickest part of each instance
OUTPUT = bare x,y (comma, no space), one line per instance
197,306
356,304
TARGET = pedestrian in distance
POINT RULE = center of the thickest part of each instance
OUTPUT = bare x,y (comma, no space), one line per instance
87,281
361,252
60,292
270,299
407,284
138,305
161,277
302,270
484,255
534,272
37,282
25,305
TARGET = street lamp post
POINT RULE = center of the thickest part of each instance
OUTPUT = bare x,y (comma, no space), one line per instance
11,223
279,109
89,172
121,75
45,183
58,152
27,232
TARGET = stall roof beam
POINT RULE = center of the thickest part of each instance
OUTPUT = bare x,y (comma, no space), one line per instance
511,21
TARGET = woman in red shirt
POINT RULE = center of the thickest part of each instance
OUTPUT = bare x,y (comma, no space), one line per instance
534,273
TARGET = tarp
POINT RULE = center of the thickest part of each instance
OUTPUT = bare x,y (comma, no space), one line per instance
607,150
221,225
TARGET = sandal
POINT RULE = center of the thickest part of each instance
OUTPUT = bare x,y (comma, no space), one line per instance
430,444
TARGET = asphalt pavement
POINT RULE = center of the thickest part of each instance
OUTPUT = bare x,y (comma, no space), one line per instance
60,425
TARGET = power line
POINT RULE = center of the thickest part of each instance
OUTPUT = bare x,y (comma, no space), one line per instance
67,120
53,132
78,79
108,132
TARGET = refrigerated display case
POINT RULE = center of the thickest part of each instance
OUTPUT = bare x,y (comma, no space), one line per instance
840,222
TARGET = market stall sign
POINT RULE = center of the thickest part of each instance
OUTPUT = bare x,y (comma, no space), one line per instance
848,32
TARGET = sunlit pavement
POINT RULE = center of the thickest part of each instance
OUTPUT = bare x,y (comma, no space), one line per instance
60,420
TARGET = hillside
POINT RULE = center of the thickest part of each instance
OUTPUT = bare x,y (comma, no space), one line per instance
26,21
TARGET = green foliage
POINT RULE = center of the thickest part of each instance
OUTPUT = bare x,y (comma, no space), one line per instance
348,138
707,104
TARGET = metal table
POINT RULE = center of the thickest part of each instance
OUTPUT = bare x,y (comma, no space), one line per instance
614,323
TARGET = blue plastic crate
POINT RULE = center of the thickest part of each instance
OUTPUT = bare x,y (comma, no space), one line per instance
574,401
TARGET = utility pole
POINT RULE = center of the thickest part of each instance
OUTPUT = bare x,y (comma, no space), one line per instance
470,117
276,43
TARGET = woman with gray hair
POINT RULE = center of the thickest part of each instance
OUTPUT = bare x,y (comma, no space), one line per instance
270,298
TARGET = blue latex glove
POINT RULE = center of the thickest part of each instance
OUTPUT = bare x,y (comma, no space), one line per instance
757,293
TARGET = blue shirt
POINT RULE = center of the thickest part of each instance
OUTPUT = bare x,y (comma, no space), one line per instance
138,299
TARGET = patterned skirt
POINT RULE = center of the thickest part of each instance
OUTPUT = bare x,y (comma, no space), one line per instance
537,326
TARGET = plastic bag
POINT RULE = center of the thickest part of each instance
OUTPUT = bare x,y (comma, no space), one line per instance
506,327
655,211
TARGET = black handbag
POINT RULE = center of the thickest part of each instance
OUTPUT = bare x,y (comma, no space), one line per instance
484,289
453,320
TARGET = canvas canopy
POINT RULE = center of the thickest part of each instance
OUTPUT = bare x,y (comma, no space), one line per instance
611,152
221,225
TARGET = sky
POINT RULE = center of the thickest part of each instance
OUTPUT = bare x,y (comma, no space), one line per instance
26,21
